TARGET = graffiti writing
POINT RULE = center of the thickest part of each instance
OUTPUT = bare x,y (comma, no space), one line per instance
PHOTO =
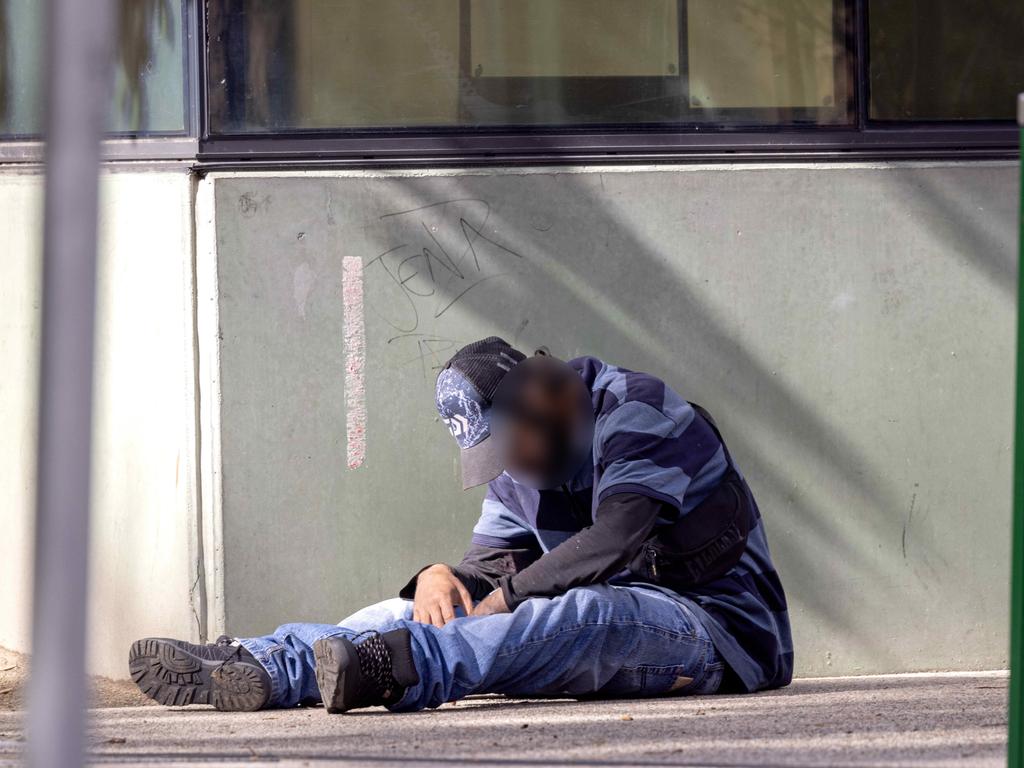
444,252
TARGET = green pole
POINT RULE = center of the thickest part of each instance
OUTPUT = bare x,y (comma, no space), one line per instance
1015,754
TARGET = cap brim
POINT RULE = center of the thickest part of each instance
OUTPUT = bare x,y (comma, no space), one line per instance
481,463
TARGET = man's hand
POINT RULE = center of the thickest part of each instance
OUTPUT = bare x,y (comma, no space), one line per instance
493,603
438,591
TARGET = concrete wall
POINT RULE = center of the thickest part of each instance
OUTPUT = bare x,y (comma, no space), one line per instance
144,475
851,328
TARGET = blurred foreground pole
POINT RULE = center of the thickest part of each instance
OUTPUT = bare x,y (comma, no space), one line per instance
79,35
1016,714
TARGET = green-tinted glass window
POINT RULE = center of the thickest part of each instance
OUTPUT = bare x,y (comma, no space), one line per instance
21,67
279,65
149,73
945,59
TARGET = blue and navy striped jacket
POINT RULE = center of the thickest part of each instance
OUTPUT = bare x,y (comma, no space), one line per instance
649,440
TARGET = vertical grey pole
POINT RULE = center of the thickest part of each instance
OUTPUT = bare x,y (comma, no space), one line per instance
79,36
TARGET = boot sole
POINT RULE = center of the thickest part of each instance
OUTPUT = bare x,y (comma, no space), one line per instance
172,676
337,673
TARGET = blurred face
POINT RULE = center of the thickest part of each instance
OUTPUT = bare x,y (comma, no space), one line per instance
543,421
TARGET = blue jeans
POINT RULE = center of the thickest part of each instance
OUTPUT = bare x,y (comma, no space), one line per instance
604,640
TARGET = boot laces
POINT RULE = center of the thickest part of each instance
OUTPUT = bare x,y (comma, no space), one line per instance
225,641
375,664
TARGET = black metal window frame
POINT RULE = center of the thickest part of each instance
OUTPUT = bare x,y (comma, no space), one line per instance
863,139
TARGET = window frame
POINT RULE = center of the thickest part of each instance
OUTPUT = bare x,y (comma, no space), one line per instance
745,117
130,146
863,71
390,147
862,139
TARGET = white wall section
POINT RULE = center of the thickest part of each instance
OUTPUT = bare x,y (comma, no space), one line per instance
145,488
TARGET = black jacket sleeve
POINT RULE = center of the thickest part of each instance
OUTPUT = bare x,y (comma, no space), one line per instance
622,523
481,568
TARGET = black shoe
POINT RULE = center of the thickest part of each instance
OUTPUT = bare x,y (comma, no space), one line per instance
376,671
175,673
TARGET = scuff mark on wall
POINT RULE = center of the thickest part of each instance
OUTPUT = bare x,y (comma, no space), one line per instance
355,360
302,284
906,525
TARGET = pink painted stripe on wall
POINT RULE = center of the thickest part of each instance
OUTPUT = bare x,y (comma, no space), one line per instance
355,359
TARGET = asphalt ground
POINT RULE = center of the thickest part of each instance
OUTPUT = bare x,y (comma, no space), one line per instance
898,720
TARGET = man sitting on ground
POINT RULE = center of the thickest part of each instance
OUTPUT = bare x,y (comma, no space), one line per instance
619,552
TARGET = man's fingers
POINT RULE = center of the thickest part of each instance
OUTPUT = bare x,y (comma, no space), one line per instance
422,614
435,616
447,611
464,596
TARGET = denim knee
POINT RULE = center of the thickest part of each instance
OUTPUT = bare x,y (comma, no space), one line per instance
591,603
394,605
